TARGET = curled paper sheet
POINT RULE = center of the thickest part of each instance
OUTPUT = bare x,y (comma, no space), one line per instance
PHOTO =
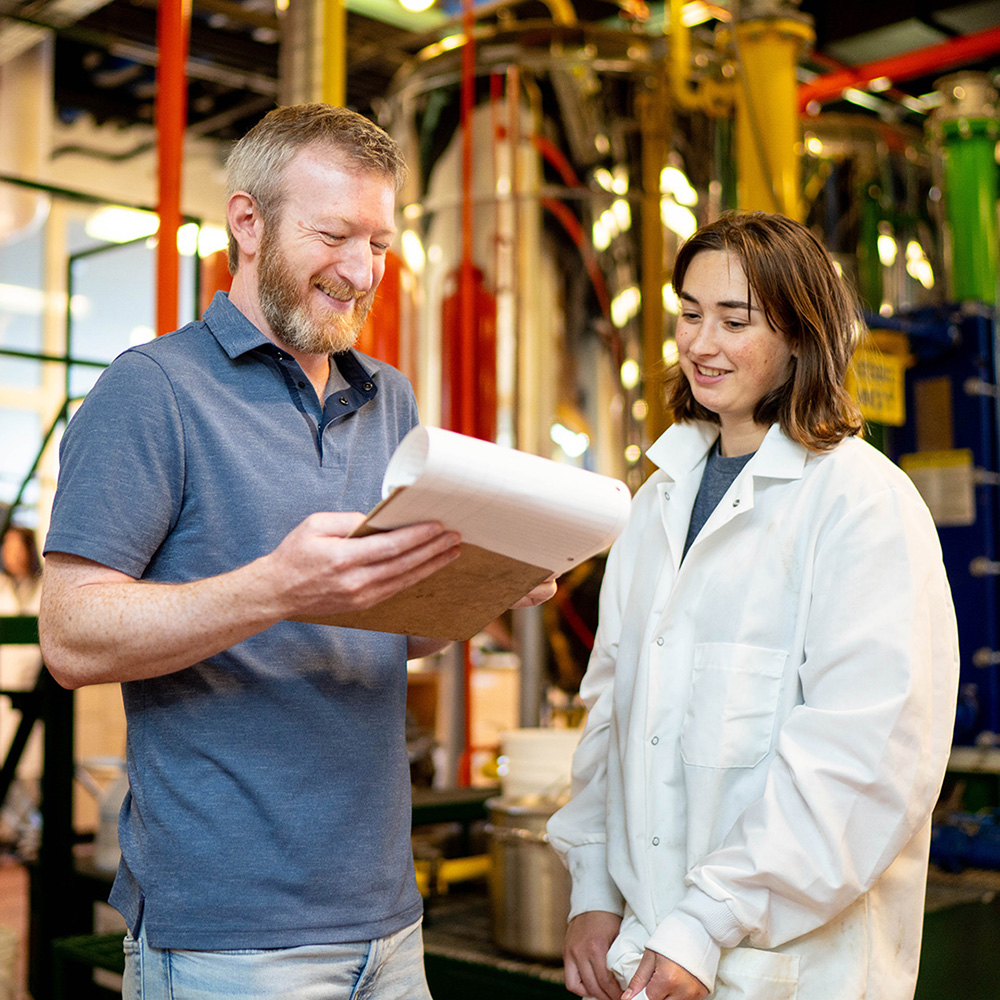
522,519
518,505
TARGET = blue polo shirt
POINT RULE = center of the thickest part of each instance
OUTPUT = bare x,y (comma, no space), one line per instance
270,797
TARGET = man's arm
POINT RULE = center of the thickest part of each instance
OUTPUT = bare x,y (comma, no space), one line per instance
97,625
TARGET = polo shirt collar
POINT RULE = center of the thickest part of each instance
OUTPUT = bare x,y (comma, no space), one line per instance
238,336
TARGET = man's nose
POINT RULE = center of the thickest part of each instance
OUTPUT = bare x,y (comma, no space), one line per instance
356,265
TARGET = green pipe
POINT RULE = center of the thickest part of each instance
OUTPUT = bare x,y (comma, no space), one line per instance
971,196
966,126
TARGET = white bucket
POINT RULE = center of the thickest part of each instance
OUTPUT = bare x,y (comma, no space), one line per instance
537,761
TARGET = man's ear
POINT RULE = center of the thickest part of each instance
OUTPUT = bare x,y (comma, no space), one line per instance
244,222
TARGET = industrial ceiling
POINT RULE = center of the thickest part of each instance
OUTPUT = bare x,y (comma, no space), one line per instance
105,50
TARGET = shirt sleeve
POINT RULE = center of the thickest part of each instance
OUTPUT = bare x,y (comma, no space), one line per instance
121,469
858,764
578,831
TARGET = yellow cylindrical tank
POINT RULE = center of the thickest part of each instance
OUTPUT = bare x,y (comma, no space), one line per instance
767,118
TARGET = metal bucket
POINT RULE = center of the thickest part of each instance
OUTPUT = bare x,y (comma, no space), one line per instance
529,885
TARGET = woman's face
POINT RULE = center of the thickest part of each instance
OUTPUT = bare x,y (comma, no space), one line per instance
729,353
14,554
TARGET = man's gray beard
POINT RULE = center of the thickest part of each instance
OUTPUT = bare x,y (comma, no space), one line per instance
288,315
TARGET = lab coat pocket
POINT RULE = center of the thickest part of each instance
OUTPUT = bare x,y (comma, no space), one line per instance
752,974
734,696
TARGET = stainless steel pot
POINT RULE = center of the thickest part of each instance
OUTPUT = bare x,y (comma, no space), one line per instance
529,885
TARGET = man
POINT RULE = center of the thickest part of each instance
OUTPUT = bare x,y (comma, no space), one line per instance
265,841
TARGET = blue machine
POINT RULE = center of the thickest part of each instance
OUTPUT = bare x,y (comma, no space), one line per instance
957,345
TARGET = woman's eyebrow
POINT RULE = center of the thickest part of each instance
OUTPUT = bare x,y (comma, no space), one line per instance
726,304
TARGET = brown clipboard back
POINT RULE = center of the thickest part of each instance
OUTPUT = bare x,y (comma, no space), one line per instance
455,603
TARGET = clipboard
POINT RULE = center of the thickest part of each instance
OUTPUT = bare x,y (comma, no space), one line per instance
522,519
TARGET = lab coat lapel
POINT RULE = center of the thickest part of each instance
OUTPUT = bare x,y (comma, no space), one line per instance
778,457
680,453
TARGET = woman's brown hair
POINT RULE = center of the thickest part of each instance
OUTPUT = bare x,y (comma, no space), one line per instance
794,282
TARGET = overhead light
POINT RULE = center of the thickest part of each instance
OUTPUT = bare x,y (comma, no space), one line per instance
862,99
677,218
917,264
624,306
879,84
416,5
573,444
116,224
887,249
623,214
630,373
675,183
603,177
413,251
212,239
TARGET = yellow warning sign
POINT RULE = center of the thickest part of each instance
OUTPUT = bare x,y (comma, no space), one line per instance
875,380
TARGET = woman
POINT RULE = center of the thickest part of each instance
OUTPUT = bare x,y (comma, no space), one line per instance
20,579
771,692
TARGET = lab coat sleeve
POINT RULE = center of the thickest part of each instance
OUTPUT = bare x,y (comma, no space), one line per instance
859,764
578,831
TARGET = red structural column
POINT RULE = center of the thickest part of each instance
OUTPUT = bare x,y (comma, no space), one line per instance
173,32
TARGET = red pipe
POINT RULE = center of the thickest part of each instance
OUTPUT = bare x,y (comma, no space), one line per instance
173,31
906,66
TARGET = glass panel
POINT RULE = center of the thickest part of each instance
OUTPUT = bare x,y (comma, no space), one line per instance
21,297
113,300
21,433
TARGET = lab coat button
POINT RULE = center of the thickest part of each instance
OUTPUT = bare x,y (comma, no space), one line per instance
659,640
736,502
656,841
655,740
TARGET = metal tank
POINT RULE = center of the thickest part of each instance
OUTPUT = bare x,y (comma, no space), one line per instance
532,175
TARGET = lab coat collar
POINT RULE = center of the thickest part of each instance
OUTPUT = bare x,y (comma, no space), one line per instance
683,447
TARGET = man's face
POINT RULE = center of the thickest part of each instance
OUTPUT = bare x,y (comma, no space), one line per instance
320,261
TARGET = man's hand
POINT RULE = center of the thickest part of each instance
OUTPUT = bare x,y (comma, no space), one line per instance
585,955
317,570
664,980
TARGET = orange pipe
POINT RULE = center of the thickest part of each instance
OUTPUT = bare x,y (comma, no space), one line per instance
907,66
464,379
173,31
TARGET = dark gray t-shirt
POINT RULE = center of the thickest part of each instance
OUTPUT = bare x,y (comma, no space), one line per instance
720,473
270,801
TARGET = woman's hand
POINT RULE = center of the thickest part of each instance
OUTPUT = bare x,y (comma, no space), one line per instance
664,980
585,954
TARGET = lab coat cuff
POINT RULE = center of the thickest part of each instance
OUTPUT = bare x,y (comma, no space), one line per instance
593,888
694,933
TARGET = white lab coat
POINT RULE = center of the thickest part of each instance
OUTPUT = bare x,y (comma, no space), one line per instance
768,725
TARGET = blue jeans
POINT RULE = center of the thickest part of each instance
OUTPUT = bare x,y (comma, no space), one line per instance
389,968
